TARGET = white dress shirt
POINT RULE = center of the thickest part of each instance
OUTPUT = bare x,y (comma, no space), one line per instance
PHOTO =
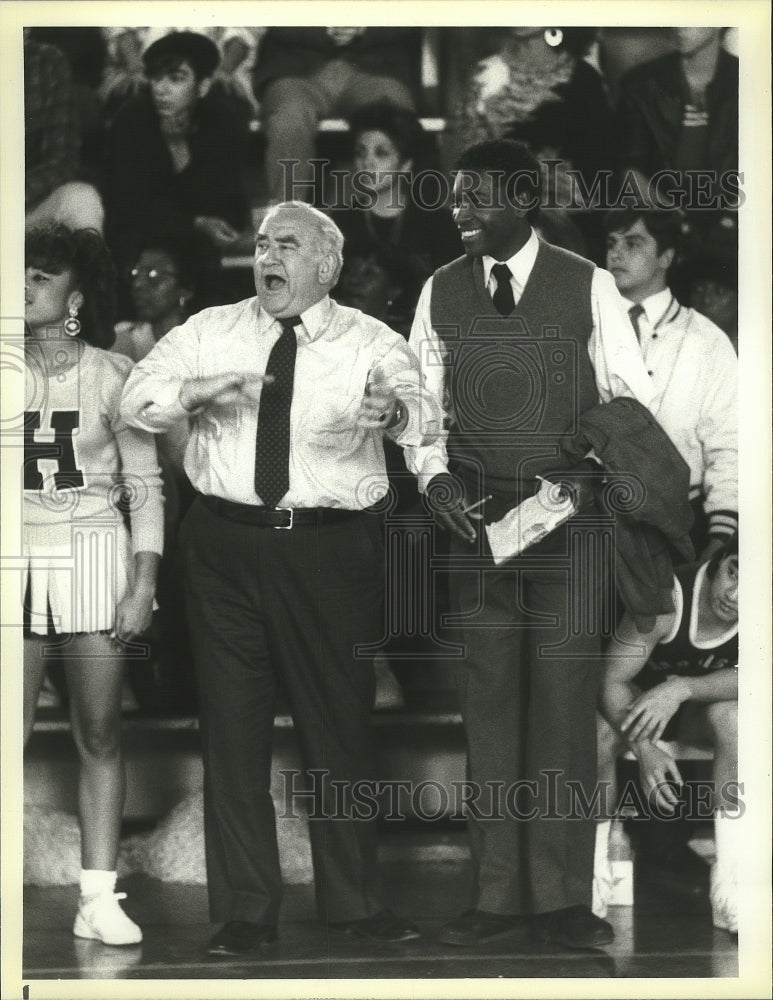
695,373
333,461
612,347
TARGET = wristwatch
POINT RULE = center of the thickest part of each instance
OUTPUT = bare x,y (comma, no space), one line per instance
397,416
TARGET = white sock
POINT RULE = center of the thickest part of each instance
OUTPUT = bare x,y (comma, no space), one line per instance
94,881
601,855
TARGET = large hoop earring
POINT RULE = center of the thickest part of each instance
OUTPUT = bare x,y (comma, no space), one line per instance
553,37
72,326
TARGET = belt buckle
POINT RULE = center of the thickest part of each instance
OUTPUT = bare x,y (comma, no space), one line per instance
284,527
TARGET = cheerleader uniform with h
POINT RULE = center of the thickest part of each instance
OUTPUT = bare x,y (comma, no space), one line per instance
82,465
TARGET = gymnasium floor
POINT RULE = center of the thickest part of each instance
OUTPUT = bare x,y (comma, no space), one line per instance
657,937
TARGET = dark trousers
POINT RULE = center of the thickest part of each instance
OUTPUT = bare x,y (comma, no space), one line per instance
527,689
270,607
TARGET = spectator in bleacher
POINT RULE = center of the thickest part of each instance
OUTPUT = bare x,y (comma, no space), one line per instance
386,142
708,275
85,50
304,74
691,363
167,285
539,89
680,111
90,582
175,158
54,190
124,75
679,681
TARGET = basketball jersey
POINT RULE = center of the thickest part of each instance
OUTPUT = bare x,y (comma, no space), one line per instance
682,652
81,460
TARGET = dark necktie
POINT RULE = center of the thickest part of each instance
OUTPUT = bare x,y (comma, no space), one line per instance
503,296
272,445
636,312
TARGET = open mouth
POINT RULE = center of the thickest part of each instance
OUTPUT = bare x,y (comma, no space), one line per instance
273,282
470,234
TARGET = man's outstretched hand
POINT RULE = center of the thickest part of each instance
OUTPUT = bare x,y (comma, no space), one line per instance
445,495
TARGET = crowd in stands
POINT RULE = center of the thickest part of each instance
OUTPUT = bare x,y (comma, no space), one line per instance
174,143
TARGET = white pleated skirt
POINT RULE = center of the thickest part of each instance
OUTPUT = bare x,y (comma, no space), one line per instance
77,571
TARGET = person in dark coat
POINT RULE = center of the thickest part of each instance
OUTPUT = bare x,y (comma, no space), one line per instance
175,156
304,74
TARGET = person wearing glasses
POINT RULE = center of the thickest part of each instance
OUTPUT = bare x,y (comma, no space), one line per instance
166,285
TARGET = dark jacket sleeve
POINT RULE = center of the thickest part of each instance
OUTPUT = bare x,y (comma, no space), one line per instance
142,192
648,116
645,491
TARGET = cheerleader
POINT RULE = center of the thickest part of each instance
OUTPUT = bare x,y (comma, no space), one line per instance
89,585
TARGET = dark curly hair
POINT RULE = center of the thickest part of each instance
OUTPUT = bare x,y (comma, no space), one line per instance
55,249
399,124
168,53
513,161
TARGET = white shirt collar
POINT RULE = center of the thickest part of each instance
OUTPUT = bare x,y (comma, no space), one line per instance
655,306
314,319
520,264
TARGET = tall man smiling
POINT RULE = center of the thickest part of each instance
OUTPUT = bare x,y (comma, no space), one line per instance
519,338
290,395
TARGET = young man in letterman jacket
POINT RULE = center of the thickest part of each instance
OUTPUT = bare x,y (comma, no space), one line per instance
518,338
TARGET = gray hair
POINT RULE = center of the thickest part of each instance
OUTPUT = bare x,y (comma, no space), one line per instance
329,236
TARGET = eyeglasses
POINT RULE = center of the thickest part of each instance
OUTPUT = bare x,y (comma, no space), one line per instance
151,274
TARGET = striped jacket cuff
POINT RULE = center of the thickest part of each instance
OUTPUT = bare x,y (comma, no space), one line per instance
722,523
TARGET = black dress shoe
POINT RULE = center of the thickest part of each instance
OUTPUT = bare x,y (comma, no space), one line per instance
239,937
383,926
475,926
573,927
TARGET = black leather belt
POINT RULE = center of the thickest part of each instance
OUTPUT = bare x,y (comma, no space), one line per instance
279,517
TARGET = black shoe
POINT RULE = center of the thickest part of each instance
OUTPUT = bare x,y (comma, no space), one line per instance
383,926
573,927
239,937
475,926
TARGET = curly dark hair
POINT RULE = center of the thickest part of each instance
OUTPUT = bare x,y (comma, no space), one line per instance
399,124
168,53
513,161
54,249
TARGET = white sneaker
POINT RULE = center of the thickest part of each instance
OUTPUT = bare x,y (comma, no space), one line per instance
101,918
724,901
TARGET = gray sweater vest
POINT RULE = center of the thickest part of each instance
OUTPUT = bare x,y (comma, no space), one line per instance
515,384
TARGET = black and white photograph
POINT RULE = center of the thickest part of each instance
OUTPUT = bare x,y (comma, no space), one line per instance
378,418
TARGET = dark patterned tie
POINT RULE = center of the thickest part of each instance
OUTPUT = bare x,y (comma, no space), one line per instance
636,312
272,445
503,296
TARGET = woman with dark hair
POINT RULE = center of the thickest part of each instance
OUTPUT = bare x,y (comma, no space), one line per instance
382,282
386,141
537,88
166,285
89,584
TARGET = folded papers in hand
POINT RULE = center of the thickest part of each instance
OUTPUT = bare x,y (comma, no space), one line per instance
529,522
